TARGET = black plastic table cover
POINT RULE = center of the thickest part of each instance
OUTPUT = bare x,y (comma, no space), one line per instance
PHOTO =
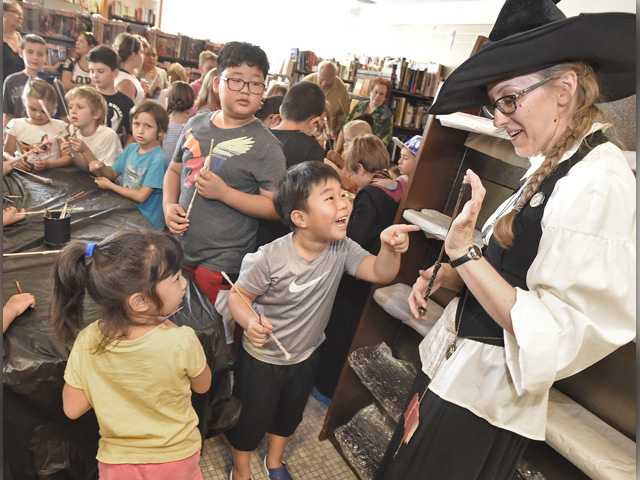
39,441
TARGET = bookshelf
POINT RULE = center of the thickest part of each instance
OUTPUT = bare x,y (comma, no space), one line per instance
61,27
411,96
298,65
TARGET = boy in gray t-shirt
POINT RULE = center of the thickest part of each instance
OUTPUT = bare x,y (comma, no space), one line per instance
293,280
245,164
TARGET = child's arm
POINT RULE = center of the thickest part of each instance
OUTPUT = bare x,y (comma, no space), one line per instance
15,306
202,383
384,267
99,169
257,333
259,205
174,215
128,88
10,146
74,402
139,195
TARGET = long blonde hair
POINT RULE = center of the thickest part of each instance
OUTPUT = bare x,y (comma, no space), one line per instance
586,112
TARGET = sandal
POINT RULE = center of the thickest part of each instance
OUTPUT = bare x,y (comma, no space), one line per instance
280,473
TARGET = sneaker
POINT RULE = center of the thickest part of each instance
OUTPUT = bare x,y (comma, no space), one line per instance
280,473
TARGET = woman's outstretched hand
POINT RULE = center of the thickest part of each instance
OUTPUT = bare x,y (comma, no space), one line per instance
460,235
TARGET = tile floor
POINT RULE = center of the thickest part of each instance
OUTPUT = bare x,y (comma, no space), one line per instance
307,457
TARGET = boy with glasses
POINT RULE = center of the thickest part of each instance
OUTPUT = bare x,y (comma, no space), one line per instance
246,162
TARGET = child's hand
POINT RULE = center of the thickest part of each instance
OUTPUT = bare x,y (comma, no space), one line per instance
40,164
23,164
12,215
396,237
77,145
259,334
66,147
176,218
95,165
103,183
210,185
18,303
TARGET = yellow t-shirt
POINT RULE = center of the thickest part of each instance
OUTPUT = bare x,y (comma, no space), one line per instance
141,393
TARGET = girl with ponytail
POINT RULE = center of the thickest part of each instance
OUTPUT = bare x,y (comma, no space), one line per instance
134,367
552,291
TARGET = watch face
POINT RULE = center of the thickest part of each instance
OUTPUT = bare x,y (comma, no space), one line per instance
475,252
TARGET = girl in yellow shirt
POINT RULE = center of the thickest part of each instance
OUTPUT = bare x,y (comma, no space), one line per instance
134,367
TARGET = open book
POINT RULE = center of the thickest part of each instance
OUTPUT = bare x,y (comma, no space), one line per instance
472,123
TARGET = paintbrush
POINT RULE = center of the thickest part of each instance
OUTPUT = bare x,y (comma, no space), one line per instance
49,210
25,254
205,167
47,181
18,287
287,355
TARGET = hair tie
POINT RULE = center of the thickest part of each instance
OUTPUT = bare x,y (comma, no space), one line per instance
88,251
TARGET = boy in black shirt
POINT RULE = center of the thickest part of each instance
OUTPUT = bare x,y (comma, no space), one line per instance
103,69
301,110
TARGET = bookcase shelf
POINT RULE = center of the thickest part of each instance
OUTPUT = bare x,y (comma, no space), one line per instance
131,20
402,93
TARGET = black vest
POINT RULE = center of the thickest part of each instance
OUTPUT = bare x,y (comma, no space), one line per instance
513,263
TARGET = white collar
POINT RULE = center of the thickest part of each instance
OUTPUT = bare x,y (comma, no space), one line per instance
536,160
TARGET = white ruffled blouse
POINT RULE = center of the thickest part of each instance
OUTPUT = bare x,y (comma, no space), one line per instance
579,308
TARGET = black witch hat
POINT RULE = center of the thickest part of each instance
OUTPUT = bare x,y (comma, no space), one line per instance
530,35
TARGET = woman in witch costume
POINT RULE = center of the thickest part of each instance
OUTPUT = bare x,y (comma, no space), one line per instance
553,290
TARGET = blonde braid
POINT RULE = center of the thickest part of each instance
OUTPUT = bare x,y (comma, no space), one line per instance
586,113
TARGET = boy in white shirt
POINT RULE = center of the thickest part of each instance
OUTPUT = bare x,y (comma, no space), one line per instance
92,139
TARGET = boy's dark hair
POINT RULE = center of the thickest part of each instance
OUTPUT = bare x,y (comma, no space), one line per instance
270,106
90,38
156,110
303,101
104,54
180,97
294,189
126,45
235,54
32,38
119,266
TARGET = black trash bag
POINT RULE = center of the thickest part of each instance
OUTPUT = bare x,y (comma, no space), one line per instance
40,442
217,409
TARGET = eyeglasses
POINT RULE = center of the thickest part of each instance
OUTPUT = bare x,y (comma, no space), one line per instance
237,85
508,104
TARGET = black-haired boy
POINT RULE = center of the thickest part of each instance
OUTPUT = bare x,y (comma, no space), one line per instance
246,164
294,280
103,70
301,113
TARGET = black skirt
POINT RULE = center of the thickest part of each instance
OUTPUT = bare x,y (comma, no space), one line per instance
451,443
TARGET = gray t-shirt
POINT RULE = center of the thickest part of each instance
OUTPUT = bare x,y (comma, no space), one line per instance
296,295
247,158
